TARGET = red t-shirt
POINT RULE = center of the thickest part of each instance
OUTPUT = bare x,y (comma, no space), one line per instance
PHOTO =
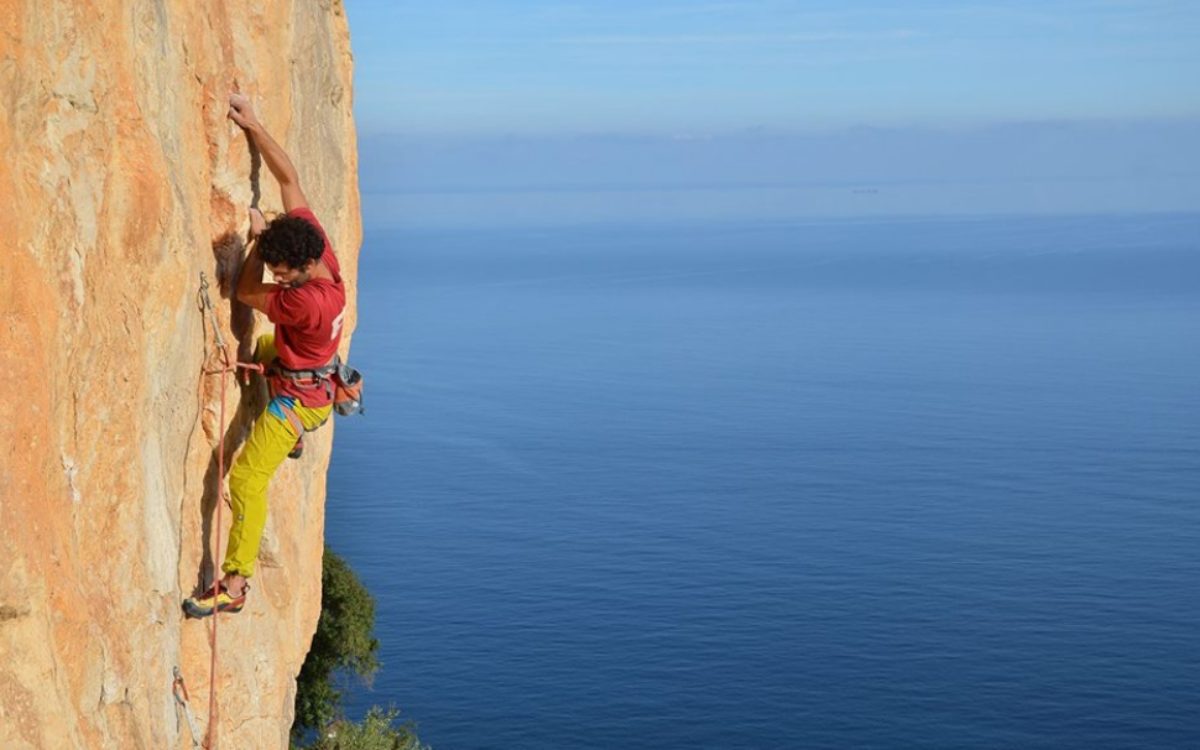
308,321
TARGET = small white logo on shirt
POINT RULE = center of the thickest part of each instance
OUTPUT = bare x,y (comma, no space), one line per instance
337,325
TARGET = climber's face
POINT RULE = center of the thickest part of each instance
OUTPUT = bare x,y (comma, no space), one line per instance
285,275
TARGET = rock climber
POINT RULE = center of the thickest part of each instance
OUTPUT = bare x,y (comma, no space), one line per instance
306,303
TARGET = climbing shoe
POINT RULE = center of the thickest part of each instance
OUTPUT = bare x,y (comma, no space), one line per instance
215,599
297,450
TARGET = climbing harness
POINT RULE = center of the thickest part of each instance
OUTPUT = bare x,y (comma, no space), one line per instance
179,690
310,379
227,365
343,385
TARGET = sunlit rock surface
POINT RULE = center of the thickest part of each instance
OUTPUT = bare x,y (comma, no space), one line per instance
122,180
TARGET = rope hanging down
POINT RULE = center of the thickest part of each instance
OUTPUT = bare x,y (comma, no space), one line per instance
227,365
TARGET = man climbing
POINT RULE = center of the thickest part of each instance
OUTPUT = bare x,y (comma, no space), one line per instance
306,303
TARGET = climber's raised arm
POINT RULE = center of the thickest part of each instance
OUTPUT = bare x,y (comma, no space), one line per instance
273,154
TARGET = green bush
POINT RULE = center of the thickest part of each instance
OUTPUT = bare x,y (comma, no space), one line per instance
374,732
343,643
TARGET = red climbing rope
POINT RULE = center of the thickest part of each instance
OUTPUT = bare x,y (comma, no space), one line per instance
228,365
210,740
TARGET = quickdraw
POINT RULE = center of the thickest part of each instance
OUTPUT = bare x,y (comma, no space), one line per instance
179,690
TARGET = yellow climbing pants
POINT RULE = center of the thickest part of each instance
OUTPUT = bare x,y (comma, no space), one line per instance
270,441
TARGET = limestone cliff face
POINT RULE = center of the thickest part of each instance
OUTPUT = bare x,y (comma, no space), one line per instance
121,181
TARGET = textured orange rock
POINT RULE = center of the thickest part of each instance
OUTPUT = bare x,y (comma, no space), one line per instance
121,181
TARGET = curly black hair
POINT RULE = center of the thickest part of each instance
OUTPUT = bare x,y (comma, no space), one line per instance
290,241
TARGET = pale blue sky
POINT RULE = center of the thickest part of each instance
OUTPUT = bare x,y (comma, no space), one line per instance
529,111
691,66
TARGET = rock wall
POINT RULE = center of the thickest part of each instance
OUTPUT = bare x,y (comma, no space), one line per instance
121,181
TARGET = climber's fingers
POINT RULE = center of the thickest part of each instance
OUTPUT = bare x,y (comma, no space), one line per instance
240,109
257,222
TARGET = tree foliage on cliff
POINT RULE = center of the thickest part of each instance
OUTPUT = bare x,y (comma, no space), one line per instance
343,642
374,732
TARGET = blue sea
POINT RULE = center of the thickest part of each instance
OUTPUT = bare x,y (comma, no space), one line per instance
919,483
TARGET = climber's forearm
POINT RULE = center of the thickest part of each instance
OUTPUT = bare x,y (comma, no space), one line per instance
273,154
250,287
242,112
280,165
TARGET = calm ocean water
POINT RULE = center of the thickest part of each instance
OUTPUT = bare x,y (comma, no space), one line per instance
815,485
